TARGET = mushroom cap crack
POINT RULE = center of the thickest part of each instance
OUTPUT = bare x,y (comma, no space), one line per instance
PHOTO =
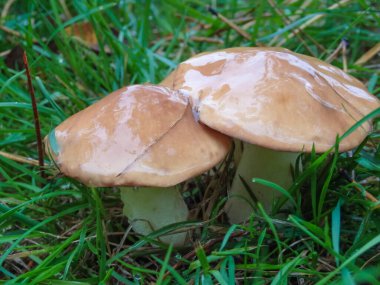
141,135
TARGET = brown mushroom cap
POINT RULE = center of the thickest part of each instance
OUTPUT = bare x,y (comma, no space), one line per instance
275,98
141,135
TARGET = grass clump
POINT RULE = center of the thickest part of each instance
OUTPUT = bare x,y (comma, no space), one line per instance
57,231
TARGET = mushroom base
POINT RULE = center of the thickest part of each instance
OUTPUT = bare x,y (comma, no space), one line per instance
151,208
258,162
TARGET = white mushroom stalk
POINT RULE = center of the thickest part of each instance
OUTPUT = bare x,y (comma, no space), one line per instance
159,207
258,162
145,136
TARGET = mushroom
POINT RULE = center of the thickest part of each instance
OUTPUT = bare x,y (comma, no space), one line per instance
279,103
141,135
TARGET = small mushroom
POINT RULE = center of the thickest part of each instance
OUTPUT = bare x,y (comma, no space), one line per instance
279,103
143,136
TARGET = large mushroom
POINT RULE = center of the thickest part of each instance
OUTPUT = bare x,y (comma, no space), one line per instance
279,103
141,135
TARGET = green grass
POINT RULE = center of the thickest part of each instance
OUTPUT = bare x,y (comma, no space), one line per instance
57,231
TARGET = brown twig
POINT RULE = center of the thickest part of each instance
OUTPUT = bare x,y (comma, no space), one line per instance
19,158
288,22
6,8
206,40
344,55
66,10
230,23
197,39
368,195
36,118
370,260
11,32
334,54
5,53
368,55
15,33
313,20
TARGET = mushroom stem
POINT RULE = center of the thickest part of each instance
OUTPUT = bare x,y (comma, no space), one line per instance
258,162
151,208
